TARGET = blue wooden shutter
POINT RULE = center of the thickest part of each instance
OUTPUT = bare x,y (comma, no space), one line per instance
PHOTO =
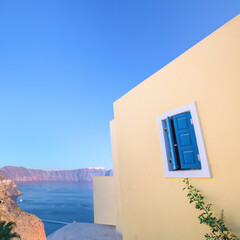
186,141
171,144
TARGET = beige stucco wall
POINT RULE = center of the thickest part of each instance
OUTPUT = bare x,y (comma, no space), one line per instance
155,207
117,197
106,191
104,200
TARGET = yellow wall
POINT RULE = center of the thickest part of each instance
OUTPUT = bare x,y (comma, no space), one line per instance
104,200
155,207
117,198
107,204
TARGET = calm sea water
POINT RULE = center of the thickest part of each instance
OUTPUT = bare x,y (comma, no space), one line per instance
57,203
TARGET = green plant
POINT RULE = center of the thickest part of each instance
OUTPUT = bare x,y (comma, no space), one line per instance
6,231
217,225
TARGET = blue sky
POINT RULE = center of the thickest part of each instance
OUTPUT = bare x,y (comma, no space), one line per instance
63,64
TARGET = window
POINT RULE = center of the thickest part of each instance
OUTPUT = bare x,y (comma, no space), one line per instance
182,143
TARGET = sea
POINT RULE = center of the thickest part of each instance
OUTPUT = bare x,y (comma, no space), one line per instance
57,203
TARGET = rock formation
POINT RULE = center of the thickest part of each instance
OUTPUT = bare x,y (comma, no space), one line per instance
9,186
21,174
28,226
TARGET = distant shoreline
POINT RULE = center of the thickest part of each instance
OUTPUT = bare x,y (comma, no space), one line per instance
84,175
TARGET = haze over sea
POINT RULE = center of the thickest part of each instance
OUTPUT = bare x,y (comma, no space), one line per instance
57,203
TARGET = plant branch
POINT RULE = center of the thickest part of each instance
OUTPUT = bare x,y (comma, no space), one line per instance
218,228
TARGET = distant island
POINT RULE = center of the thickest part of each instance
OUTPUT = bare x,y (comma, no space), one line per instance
85,175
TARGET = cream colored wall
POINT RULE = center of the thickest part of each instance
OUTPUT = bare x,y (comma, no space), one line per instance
104,200
155,207
106,191
117,198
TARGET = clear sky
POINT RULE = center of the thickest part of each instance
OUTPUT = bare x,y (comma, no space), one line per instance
63,64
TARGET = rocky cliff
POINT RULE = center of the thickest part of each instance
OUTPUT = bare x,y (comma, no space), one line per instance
28,226
21,174
10,187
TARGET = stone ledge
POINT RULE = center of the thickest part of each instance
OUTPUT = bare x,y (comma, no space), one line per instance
86,231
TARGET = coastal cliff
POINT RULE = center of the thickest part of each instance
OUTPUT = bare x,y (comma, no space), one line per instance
21,174
10,187
28,226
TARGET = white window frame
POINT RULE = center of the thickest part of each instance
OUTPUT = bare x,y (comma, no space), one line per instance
204,172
